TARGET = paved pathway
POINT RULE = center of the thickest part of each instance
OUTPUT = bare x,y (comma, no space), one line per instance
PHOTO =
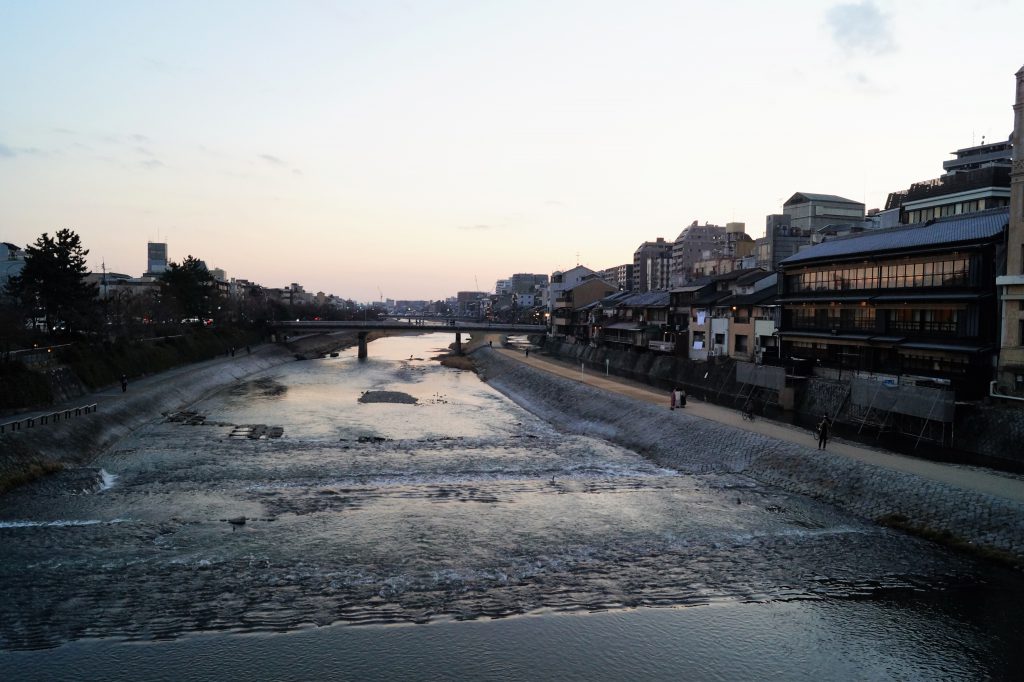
978,479
152,381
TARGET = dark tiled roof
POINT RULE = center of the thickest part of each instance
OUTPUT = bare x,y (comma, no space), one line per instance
753,276
615,299
973,227
735,274
762,297
709,298
647,299
588,281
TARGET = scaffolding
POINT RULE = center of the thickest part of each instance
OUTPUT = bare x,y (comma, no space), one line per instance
886,403
759,384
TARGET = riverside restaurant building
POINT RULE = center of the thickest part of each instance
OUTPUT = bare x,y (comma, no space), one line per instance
917,302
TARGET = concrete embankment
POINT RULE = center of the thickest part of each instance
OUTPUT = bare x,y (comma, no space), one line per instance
29,453
956,515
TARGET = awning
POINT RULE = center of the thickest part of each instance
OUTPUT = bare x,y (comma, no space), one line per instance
827,335
948,347
937,296
845,298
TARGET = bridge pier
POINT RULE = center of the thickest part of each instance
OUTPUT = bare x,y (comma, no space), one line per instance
362,345
458,343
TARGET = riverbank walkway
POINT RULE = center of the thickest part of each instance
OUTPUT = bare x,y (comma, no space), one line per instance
999,484
154,382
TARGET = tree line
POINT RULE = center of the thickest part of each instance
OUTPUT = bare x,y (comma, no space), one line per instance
52,297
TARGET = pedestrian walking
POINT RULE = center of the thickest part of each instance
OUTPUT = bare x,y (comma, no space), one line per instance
124,383
681,400
823,432
527,352
672,400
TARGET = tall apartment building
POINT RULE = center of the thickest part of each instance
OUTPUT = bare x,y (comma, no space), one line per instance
527,283
690,247
652,263
619,276
156,259
1010,369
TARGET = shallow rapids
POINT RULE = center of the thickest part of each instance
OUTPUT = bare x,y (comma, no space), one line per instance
458,506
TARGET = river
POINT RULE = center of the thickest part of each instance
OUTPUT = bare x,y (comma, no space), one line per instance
459,536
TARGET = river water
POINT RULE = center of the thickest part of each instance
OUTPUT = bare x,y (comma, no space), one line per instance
459,537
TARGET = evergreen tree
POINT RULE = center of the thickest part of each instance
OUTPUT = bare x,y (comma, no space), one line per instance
189,289
52,282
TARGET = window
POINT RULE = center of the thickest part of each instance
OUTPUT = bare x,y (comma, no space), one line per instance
935,365
741,343
914,320
804,318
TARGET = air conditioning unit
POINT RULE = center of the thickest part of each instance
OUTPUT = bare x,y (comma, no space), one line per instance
712,353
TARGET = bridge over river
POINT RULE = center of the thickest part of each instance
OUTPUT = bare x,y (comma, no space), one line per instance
433,324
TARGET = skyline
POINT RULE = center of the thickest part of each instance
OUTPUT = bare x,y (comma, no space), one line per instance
423,149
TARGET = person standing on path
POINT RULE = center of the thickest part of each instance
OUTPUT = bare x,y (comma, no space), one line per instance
124,383
823,432
672,399
527,352
681,399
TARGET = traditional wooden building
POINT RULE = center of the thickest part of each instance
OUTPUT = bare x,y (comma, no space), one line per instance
914,300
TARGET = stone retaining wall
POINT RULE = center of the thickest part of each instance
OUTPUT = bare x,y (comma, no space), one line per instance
693,445
986,434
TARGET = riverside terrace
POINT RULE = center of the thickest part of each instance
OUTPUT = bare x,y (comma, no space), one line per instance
455,325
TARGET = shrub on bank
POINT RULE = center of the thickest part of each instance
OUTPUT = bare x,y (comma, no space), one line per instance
103,364
20,386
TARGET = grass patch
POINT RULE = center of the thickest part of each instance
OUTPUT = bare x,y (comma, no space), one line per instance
947,539
456,362
34,470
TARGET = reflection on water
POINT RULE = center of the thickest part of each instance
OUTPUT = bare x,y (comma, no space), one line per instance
464,506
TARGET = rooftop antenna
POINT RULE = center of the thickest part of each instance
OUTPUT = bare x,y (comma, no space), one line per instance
577,259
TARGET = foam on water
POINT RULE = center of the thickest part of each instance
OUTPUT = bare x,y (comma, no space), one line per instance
58,524
107,480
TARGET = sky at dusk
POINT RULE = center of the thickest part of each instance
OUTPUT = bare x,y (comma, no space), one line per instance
415,149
